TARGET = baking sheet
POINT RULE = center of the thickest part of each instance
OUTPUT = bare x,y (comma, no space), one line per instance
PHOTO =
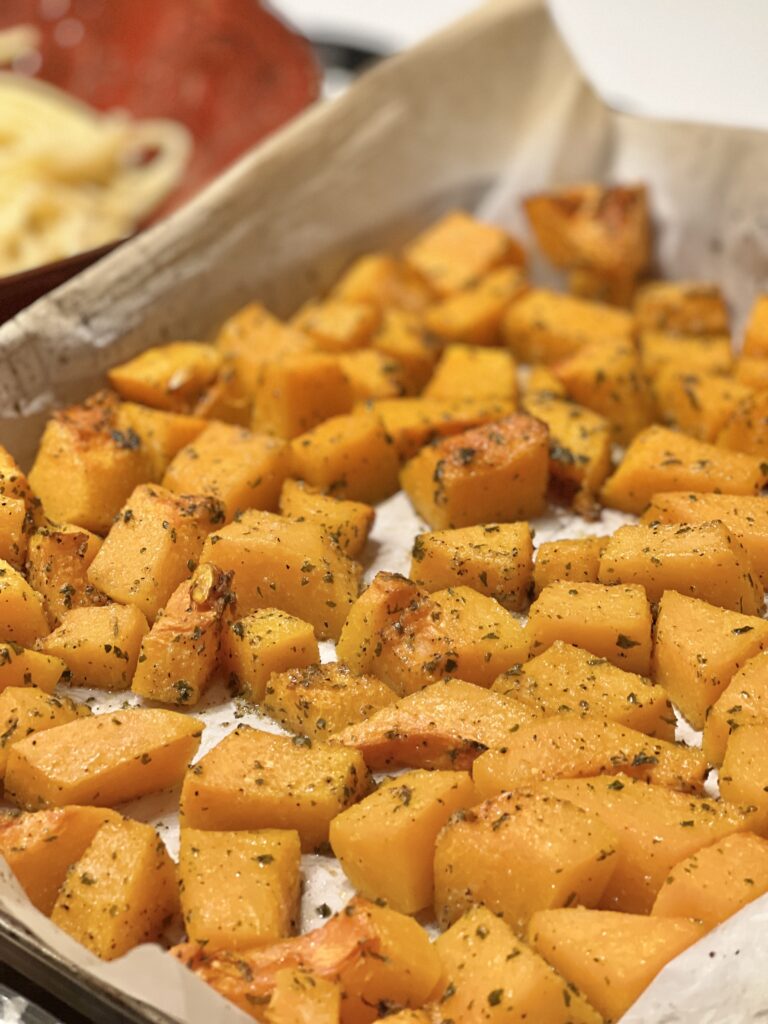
484,112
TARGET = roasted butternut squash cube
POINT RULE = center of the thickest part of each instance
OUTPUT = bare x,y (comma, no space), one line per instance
40,847
478,372
254,780
402,337
699,404
446,725
743,775
99,645
22,614
521,852
239,889
102,759
26,710
577,560
122,890
300,997
58,561
20,667
414,422
153,545
570,747
656,827
611,384
319,700
372,374
543,326
348,523
611,956
338,325
169,376
86,467
682,307
350,457
386,843
659,459
709,354
239,469
180,653
14,530
14,484
380,604
488,971
252,338
697,649
296,393
568,680
457,250
701,560
163,434
612,622
746,429
264,642
283,564
473,316
495,560
714,883
744,701
494,473
384,281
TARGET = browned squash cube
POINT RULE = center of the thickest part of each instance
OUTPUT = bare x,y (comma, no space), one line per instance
746,430
26,710
458,250
496,473
279,563
699,404
239,889
122,890
58,561
482,373
659,459
756,330
20,667
319,700
180,652
350,457
296,393
338,325
544,326
701,560
264,642
402,337
153,545
380,604
372,374
682,307
348,523
384,281
99,645
612,622
577,560
473,316
251,338
169,376
240,469
710,354
744,701
743,777
22,614
163,434
697,649
254,780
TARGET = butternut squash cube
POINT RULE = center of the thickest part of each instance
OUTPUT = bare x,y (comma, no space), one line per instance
493,473
744,701
283,564
180,653
697,403
348,523
122,890
743,775
384,281
99,645
714,883
746,429
446,725
264,642
153,545
239,889
473,316
102,759
656,827
701,560
612,957
543,326
471,370
240,469
26,710
319,700
566,679
167,376
756,330
495,560
698,648
296,393
612,622
300,997
708,354
254,780
402,337
14,484
252,338
659,459
521,852
350,457
386,843
22,615
338,325
381,604
20,667
569,747
163,434
414,422
490,975
40,847
14,531
577,561
373,374
457,250
58,561
682,307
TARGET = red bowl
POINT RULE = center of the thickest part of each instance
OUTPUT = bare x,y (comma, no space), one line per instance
227,69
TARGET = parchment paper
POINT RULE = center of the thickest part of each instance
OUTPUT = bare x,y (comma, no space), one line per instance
490,109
